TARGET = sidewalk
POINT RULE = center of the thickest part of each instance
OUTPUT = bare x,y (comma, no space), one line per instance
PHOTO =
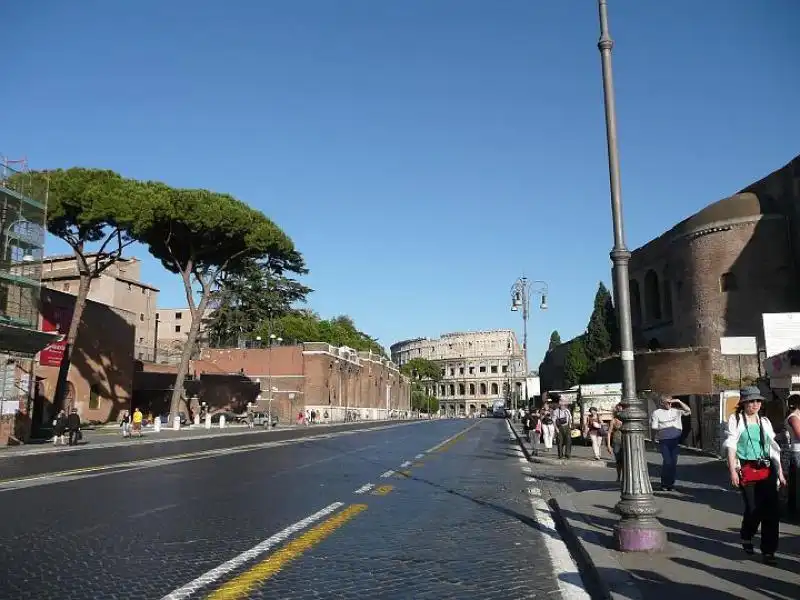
109,437
702,517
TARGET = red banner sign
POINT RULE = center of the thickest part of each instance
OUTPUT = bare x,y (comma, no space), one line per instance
54,319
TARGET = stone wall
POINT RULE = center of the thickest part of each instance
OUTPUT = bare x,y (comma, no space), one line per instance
677,372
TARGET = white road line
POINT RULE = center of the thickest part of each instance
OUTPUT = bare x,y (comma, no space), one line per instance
534,491
151,511
419,456
566,572
530,479
405,464
387,474
219,572
364,488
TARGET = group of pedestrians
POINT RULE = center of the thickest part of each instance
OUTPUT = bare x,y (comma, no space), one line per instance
67,425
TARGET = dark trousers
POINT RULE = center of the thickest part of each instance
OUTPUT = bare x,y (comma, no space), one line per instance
761,507
74,436
669,465
564,441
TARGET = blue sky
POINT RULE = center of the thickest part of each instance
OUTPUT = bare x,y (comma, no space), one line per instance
422,154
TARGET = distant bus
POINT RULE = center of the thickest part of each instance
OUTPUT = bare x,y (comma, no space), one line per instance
499,409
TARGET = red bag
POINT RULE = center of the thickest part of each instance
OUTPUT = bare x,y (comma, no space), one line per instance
753,473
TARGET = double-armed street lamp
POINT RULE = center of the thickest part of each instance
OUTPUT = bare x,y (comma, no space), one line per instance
638,529
521,293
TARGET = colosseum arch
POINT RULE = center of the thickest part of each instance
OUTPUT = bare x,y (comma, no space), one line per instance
636,302
494,389
483,389
652,296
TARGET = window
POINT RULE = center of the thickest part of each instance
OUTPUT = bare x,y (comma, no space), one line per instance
141,317
471,389
494,389
177,328
483,389
461,389
505,368
482,369
461,370
494,368
178,315
452,372
472,370
94,397
728,283
141,340
452,390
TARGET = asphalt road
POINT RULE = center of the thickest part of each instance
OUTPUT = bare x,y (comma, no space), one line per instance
434,510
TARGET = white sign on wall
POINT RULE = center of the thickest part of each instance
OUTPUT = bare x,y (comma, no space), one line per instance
781,332
738,346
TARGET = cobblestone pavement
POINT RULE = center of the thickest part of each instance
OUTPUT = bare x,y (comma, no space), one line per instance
153,447
393,513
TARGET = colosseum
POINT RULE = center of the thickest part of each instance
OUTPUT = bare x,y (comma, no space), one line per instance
477,367
715,273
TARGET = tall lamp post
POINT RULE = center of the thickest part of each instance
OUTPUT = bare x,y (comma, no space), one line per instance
521,300
638,530
272,339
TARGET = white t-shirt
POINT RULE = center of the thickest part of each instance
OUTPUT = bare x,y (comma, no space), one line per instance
667,423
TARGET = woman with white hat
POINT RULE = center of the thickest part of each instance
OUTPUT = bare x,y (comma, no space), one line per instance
754,462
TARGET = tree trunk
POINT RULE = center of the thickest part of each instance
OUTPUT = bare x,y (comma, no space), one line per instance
186,356
72,337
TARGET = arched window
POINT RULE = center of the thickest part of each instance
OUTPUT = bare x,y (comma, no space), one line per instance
652,296
461,389
94,397
728,283
471,389
494,389
483,389
441,390
452,389
667,299
636,303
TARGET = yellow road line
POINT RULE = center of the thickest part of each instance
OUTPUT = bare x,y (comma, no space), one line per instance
240,586
382,490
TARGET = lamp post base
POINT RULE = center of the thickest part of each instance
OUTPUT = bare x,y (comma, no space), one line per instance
637,534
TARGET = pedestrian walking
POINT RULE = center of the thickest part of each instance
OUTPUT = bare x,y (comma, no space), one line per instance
563,421
667,425
125,424
74,427
614,440
594,430
548,430
792,427
138,417
59,427
754,463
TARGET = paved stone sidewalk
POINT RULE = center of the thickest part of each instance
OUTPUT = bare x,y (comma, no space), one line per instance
702,517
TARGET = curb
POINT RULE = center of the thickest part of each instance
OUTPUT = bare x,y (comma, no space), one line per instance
556,462
604,577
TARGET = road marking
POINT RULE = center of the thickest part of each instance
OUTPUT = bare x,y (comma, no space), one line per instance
382,490
219,572
563,565
534,491
387,474
242,585
404,473
531,479
452,438
405,465
364,488
419,456
144,513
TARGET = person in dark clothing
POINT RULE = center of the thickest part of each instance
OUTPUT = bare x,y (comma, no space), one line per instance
563,419
74,427
59,427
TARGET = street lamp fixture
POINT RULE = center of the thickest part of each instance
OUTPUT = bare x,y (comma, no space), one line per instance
521,293
638,530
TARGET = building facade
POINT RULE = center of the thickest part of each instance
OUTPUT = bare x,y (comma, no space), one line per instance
715,273
119,286
478,368
172,329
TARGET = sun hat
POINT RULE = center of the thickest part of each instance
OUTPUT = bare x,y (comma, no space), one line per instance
749,393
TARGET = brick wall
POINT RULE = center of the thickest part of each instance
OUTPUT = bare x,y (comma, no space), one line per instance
677,372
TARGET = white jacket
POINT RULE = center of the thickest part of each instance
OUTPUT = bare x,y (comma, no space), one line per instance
734,430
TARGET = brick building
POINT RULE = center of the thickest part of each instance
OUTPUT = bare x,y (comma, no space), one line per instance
715,273
100,378
313,375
